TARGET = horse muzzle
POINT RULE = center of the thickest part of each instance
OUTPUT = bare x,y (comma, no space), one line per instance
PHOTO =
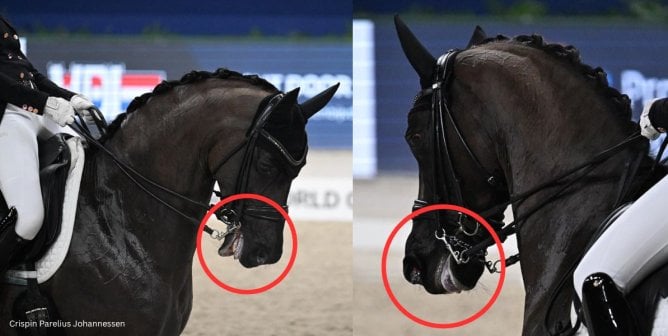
438,274
258,254
255,237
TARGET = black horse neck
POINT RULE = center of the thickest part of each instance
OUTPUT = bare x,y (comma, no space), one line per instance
122,218
558,122
171,144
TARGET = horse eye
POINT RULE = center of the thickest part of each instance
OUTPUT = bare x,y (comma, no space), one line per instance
415,139
266,167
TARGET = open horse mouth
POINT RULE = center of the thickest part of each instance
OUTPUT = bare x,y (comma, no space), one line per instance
437,278
232,245
447,280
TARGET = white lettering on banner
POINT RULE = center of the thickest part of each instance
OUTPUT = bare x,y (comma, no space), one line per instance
317,199
641,89
321,199
311,84
110,86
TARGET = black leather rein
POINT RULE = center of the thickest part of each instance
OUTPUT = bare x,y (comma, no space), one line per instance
230,215
448,188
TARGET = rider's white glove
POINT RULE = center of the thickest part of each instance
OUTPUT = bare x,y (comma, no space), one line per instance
60,110
646,128
82,104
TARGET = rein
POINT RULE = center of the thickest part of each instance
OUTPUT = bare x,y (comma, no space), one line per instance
448,187
585,167
230,216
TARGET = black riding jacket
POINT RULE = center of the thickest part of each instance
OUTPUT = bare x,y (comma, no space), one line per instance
20,83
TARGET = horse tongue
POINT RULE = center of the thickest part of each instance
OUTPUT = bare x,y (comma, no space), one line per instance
227,249
448,280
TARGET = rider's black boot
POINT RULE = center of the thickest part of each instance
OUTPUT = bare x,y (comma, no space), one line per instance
10,243
606,312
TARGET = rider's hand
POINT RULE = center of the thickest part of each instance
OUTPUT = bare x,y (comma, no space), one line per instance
60,110
82,104
646,127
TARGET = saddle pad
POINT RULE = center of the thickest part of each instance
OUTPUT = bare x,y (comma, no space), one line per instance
661,319
54,257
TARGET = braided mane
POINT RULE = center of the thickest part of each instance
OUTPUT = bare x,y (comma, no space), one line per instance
189,78
597,77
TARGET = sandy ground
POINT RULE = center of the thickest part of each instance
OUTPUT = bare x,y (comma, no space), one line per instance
379,206
315,298
335,286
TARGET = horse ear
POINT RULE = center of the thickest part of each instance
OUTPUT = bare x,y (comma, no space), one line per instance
316,103
281,115
478,36
289,100
421,60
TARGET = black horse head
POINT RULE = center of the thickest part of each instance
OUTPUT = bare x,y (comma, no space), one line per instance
427,260
275,154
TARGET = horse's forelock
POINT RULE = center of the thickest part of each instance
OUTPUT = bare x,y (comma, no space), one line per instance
288,127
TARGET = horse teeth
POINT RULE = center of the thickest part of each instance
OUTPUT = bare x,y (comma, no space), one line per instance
237,246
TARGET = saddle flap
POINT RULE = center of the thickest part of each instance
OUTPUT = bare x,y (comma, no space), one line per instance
54,156
53,151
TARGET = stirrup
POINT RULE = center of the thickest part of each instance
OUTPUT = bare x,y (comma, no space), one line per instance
606,311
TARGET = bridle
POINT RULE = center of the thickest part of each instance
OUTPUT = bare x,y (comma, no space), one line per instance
466,244
447,186
231,215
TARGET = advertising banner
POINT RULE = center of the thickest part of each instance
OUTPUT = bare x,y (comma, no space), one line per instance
630,54
114,70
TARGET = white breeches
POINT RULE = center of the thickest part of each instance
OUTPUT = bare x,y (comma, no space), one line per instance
19,166
634,245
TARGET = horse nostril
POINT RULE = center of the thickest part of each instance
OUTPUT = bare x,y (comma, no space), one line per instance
261,257
412,271
416,276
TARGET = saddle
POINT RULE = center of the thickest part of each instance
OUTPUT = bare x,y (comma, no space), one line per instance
606,224
32,305
54,165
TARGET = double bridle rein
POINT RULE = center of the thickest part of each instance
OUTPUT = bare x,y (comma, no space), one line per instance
449,190
231,215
